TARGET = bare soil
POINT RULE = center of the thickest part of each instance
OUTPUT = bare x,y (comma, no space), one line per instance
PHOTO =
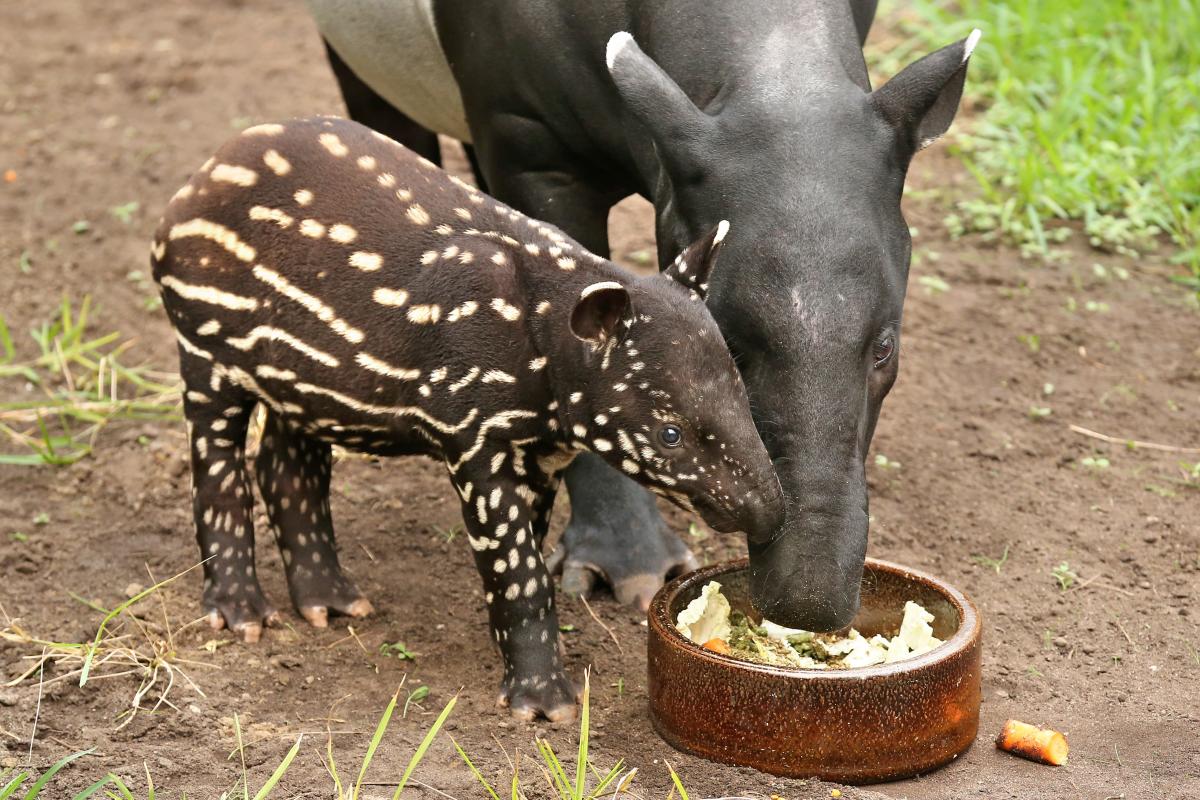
104,104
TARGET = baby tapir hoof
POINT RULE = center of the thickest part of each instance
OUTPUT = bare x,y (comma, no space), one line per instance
318,616
245,616
555,698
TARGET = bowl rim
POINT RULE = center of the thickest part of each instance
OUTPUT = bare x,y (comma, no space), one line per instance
967,633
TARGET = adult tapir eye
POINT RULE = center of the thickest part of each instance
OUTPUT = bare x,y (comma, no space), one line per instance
885,346
670,435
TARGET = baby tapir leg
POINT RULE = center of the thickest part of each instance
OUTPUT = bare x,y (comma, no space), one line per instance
293,477
218,415
499,508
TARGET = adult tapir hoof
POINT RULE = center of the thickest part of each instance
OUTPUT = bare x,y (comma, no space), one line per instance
555,698
616,536
245,616
632,584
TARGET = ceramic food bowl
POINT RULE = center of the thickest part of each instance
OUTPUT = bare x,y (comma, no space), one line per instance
860,725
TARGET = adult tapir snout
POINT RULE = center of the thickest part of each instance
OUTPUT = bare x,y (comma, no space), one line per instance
809,575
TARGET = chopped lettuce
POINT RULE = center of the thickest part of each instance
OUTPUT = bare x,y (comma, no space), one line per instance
710,616
706,617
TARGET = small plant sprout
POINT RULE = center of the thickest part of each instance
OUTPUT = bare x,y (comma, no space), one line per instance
41,518
1095,462
124,212
397,650
1065,576
1039,412
449,534
933,284
697,532
1031,340
414,698
996,564
883,462
1048,389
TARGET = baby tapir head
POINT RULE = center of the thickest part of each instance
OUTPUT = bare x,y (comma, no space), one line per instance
656,393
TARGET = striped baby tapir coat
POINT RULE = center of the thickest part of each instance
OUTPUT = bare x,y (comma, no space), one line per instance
368,299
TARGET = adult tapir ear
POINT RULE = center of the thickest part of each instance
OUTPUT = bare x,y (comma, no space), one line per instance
921,101
598,311
654,98
693,266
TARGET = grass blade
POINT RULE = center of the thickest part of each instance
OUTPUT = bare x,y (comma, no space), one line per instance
37,787
376,738
683,795
13,785
272,781
428,740
581,761
478,776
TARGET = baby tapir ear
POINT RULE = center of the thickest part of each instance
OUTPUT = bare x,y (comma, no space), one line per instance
922,100
693,266
598,311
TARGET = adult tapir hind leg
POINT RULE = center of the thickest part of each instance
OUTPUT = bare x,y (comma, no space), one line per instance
616,534
218,415
293,473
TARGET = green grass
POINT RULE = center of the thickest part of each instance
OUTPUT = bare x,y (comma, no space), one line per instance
1089,113
564,786
76,385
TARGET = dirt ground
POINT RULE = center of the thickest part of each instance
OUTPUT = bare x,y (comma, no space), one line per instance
104,104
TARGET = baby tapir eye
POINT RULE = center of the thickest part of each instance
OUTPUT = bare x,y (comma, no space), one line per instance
670,435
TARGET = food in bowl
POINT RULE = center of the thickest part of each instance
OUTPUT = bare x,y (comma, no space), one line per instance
711,622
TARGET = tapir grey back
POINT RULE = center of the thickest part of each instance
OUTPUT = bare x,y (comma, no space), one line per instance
368,299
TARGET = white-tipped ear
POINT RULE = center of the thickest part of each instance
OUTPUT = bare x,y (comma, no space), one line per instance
922,100
655,100
694,265
968,46
616,44
722,229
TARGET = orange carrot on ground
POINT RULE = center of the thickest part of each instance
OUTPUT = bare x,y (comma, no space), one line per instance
1029,741
717,646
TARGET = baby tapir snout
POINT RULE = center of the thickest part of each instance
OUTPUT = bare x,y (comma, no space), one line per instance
370,300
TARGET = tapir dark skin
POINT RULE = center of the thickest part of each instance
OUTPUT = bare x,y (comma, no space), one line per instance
760,112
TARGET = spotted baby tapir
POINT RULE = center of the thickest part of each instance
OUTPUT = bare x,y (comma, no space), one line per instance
370,300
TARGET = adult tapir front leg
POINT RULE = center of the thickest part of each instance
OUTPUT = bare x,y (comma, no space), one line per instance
293,473
616,533
500,511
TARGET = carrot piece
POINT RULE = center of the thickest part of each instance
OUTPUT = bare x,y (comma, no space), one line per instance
717,646
1036,744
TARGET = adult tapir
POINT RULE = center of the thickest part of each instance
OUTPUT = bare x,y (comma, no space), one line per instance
760,112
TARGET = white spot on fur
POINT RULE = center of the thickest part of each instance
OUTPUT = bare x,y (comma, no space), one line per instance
424,314
333,144
616,43
342,233
303,197
312,229
280,218
367,262
418,215
266,129
506,310
277,163
231,173
390,297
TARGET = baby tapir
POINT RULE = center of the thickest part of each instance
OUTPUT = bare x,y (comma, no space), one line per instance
368,299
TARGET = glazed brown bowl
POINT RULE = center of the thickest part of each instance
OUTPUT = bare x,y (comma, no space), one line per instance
856,726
